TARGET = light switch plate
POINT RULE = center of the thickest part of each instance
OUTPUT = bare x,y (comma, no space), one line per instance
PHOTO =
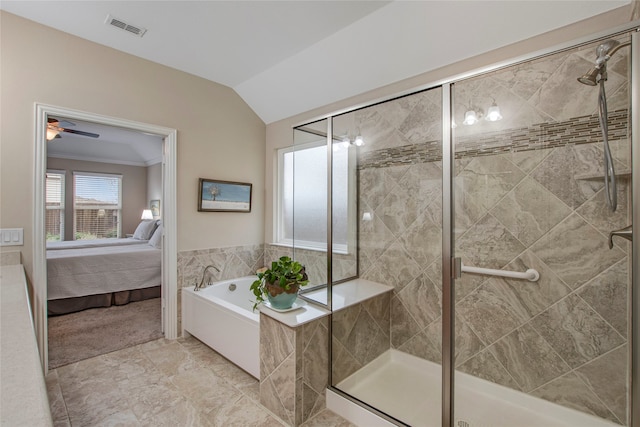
11,236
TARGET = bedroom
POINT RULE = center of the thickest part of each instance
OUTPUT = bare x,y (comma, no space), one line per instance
100,253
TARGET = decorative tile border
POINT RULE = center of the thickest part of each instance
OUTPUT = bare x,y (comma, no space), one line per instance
577,130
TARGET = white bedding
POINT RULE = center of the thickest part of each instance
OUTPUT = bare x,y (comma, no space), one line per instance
96,243
98,270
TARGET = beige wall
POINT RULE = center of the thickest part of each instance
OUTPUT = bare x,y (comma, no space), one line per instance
154,183
279,134
219,136
134,190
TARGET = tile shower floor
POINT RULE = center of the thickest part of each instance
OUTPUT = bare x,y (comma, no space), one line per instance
162,383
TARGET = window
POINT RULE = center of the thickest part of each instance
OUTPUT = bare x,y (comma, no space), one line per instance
54,215
97,200
302,197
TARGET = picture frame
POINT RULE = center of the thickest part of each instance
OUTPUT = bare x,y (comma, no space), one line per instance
223,196
154,205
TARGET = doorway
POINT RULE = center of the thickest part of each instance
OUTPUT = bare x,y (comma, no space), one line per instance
169,257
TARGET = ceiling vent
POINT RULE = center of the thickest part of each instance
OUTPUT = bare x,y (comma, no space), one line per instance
119,23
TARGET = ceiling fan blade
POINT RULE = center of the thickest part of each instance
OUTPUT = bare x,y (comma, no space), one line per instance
79,132
62,123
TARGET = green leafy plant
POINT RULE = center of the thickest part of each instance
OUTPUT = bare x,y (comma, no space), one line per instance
285,275
85,236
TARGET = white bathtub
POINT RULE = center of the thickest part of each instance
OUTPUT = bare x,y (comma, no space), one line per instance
224,320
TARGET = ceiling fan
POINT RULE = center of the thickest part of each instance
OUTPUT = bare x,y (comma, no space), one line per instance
55,127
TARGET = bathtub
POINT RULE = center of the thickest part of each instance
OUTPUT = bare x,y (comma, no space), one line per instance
223,319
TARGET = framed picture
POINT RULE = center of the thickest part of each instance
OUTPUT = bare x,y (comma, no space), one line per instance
154,205
223,196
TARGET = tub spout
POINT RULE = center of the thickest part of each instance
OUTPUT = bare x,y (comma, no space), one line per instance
626,233
202,283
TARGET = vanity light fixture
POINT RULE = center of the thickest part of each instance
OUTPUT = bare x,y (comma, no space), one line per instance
471,117
474,114
347,142
493,115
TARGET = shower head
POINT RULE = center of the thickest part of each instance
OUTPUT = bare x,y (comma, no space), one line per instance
604,51
591,77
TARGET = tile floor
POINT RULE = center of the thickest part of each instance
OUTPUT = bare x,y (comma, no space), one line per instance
162,383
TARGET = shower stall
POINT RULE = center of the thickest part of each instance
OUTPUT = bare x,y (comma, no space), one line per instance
446,195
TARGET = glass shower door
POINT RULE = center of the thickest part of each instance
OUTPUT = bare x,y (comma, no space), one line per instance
386,351
303,218
529,194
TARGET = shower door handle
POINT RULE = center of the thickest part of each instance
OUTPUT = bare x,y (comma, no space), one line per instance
625,233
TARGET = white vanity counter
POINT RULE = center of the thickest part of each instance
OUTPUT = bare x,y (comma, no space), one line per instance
23,394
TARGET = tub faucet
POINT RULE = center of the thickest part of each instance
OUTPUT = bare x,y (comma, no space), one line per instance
202,283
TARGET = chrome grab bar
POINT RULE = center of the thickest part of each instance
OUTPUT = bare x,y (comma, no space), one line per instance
531,274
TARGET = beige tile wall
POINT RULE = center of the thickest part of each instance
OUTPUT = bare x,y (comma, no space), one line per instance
293,368
315,262
360,334
10,258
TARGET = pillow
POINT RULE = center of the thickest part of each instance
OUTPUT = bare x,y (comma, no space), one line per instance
156,239
145,230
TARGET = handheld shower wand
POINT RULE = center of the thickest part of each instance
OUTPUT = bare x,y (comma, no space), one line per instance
604,52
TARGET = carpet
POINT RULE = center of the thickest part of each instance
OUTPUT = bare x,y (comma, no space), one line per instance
89,333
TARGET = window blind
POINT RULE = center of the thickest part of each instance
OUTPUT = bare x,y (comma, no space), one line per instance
97,205
54,205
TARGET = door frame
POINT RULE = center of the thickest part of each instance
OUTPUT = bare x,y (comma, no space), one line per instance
634,329
169,218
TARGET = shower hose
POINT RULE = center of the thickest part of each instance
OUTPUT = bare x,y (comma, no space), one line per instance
609,173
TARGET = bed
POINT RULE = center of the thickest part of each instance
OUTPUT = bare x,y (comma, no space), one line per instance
99,243
90,274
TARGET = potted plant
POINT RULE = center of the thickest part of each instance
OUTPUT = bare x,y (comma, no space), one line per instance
280,283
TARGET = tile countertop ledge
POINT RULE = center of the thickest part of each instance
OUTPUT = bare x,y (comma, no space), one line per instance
23,394
350,293
344,295
307,312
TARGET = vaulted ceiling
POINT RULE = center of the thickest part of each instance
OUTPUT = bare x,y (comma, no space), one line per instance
287,57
